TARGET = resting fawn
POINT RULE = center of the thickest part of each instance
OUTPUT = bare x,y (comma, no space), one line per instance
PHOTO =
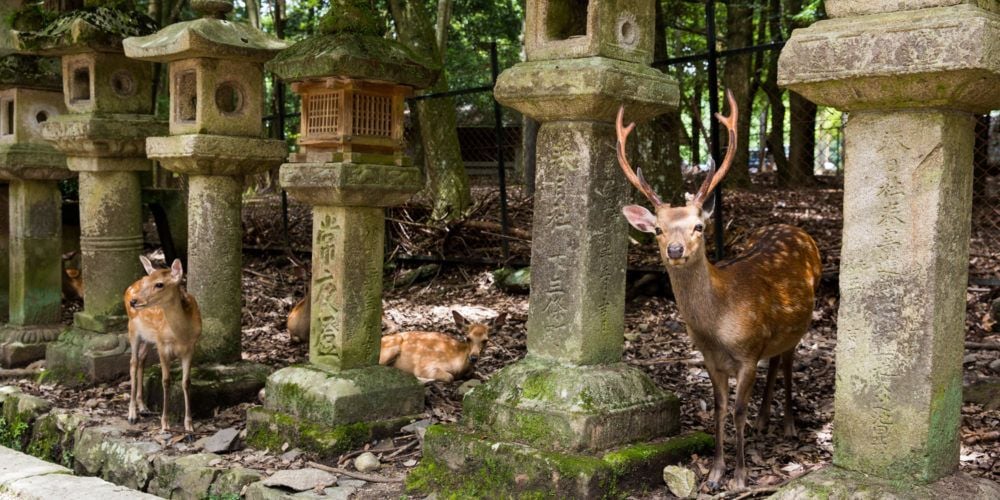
755,306
161,312
437,356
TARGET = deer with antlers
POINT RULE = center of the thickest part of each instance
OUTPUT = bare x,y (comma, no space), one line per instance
755,306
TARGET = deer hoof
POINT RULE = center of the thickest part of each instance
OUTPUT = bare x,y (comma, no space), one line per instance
132,420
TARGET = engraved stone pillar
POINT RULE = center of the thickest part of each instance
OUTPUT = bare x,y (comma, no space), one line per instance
911,77
29,97
109,103
571,399
349,166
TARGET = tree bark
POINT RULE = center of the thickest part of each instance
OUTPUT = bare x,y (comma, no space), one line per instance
447,179
775,98
802,140
736,78
253,13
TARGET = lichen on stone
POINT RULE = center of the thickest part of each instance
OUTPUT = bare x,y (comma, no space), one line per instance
101,24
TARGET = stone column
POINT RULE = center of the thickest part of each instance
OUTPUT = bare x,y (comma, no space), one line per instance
215,263
4,251
343,396
36,260
911,78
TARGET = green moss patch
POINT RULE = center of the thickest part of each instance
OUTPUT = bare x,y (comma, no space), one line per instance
269,429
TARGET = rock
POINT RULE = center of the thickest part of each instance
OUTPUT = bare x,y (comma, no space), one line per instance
995,365
222,441
419,424
644,327
680,480
513,281
984,392
232,482
301,479
343,491
292,454
631,336
467,386
410,463
367,462
969,359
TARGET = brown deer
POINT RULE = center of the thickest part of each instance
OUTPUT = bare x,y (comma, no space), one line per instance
160,312
437,356
298,320
72,279
755,306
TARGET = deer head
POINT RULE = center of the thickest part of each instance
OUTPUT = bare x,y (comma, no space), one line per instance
679,230
158,286
477,333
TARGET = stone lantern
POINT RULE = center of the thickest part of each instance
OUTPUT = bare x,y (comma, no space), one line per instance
30,95
570,419
349,167
109,100
216,81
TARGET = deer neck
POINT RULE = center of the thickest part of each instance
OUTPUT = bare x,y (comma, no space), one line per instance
695,293
175,311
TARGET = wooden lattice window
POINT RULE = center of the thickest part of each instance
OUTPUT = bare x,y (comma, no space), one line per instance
323,113
373,115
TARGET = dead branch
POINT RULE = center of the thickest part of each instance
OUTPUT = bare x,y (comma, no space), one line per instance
985,437
984,346
356,475
493,227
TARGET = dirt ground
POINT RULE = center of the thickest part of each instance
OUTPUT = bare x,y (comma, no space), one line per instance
655,337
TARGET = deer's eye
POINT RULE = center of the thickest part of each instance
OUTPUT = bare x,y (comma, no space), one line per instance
699,228
657,230
158,285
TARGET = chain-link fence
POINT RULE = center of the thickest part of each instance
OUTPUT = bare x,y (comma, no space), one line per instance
984,249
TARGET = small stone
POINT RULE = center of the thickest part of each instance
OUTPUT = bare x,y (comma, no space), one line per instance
419,424
215,462
301,479
222,441
410,463
367,462
467,386
969,359
680,480
995,365
644,327
292,454
631,336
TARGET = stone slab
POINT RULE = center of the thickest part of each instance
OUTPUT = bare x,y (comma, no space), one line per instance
269,429
458,463
33,162
212,387
575,408
15,465
591,88
834,483
350,184
847,8
203,154
945,57
349,396
78,488
81,357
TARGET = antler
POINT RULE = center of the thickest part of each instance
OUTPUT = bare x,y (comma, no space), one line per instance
714,177
635,177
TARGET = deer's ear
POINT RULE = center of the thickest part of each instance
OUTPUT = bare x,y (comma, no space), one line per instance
640,218
146,264
176,269
708,207
459,319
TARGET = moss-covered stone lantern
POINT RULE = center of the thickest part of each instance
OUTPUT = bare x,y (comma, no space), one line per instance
216,78
578,414
30,95
109,103
350,166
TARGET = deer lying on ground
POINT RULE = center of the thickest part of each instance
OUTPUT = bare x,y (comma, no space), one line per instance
755,306
437,356
160,312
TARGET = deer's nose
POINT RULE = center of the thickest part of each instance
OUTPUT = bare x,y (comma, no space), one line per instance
473,358
675,251
133,302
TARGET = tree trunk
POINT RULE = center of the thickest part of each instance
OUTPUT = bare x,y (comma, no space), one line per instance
659,140
775,98
446,176
696,125
802,147
736,78
253,13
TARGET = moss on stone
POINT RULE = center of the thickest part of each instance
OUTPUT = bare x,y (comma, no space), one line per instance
267,429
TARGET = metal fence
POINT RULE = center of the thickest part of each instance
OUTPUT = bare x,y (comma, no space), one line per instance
984,248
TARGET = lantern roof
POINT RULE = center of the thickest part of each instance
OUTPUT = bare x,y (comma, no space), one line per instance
33,72
98,27
351,45
211,36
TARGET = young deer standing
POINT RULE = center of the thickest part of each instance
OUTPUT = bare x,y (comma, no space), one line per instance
437,356
161,312
755,306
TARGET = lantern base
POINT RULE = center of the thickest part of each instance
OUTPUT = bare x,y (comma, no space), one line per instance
350,184
835,482
83,357
23,344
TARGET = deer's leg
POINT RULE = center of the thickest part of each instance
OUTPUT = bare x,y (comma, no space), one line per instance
165,374
786,365
765,404
133,376
185,384
744,389
720,389
140,369
436,373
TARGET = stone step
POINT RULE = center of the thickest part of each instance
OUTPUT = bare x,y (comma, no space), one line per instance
23,476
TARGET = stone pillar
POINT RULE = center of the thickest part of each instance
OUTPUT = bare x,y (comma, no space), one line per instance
36,258
215,263
911,78
571,399
4,251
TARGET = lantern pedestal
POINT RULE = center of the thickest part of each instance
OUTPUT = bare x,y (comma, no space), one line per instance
35,246
107,151
343,396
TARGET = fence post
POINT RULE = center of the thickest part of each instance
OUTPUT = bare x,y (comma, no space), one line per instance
713,127
501,173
